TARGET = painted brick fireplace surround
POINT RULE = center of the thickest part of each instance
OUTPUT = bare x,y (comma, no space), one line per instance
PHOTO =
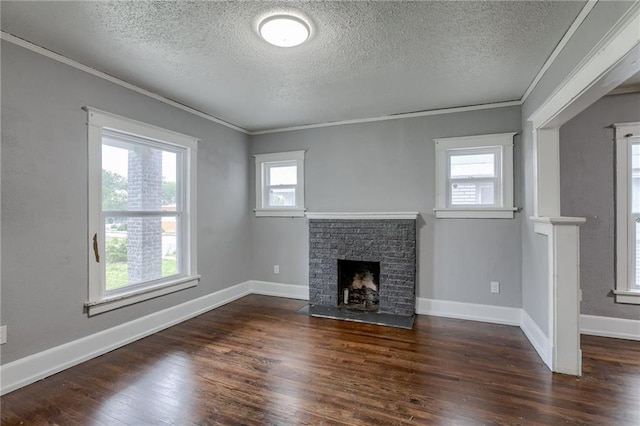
387,239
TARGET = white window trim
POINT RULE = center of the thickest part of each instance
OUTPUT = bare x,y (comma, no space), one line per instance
501,140
624,241
264,211
96,121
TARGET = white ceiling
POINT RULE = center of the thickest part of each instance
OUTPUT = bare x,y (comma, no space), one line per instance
365,59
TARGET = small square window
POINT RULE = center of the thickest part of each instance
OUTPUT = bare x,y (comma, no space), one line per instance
474,176
280,184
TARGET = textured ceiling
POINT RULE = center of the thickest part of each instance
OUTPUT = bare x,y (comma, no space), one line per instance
365,59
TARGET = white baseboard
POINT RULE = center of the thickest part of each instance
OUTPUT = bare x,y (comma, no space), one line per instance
35,367
289,291
468,311
610,327
538,339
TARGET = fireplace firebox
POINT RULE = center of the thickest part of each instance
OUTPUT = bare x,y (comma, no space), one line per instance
359,285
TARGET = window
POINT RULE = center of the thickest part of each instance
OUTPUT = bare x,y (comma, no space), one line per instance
141,211
280,184
627,213
474,176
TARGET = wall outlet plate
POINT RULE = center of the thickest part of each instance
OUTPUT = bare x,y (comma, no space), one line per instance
3,335
495,287
276,269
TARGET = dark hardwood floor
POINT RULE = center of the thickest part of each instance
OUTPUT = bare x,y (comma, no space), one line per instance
257,361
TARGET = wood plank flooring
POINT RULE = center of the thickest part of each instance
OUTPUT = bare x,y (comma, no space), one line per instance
257,361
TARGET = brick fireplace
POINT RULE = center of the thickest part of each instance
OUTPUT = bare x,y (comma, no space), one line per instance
361,242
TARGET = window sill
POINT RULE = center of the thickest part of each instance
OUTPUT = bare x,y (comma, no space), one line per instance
279,212
625,296
114,302
476,213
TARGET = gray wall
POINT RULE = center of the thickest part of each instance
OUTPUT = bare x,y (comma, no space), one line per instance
587,170
44,200
534,249
389,166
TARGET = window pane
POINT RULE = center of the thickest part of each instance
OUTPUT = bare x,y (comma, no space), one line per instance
169,180
139,249
115,186
137,176
472,165
635,178
283,175
636,261
282,197
472,193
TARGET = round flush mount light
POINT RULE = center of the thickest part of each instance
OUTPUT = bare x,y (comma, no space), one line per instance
284,30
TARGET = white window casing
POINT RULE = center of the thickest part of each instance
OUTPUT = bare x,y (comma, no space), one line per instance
627,289
102,127
283,197
490,192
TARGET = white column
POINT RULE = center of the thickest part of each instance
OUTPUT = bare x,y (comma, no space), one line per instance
564,291
546,143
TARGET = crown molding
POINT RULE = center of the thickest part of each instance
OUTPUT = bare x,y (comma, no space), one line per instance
63,59
391,117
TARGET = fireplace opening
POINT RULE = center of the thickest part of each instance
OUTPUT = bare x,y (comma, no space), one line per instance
359,285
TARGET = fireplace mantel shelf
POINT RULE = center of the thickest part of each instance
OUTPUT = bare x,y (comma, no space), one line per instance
362,215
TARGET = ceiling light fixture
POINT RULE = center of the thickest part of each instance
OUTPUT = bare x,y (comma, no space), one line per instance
284,30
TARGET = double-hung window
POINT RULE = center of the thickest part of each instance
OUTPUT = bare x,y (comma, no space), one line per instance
628,213
474,176
141,211
280,184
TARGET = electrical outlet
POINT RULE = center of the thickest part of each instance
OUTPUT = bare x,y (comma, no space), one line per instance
3,335
276,269
495,287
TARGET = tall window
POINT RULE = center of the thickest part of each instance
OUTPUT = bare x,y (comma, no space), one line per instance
628,213
141,211
280,184
474,176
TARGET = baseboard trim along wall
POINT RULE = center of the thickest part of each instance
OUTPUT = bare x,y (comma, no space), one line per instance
27,370
468,311
610,327
289,291
537,338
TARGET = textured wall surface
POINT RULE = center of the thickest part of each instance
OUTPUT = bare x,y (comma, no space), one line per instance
587,171
390,242
44,201
390,166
